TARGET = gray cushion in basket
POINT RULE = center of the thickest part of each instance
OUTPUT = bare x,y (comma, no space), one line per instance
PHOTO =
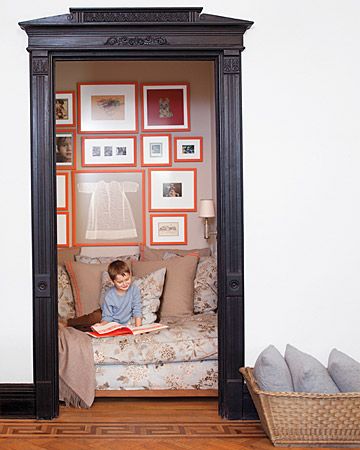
345,371
308,374
271,371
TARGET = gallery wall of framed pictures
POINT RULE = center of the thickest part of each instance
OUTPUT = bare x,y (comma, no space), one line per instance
128,159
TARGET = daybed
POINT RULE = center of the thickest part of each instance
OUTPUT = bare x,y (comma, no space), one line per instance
180,360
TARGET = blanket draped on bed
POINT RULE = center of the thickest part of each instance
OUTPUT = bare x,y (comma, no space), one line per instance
76,368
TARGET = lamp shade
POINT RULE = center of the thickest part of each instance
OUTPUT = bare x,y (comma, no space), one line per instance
206,208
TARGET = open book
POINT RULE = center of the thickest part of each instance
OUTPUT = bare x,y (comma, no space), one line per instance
116,329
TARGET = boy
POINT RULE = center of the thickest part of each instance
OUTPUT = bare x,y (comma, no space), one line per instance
123,300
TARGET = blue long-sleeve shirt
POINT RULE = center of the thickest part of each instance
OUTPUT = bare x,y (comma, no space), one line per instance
121,308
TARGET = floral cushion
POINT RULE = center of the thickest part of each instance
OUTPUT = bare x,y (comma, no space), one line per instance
205,286
105,259
191,338
151,287
66,305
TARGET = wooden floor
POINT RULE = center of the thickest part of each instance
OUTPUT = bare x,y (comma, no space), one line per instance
157,424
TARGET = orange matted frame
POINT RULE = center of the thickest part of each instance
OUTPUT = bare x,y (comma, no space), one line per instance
170,127
67,244
71,131
154,242
66,175
84,138
73,124
182,209
104,244
142,137
136,100
188,138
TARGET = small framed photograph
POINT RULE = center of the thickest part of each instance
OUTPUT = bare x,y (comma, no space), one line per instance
65,109
168,229
65,149
165,107
172,189
188,149
63,229
108,207
62,191
107,108
108,151
156,150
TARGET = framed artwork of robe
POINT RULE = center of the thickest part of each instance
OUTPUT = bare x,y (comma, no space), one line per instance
108,207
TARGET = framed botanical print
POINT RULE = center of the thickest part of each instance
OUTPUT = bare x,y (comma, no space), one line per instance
155,150
65,109
165,107
189,149
108,151
168,229
63,229
172,189
65,149
107,107
109,207
62,191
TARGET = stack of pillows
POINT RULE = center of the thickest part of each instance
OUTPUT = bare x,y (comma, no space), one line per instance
172,282
301,372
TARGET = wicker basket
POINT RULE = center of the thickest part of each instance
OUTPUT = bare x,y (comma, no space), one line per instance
295,419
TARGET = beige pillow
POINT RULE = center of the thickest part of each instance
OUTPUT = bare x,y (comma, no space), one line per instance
86,285
178,294
155,254
67,254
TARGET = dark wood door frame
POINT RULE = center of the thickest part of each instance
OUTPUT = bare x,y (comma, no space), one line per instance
139,34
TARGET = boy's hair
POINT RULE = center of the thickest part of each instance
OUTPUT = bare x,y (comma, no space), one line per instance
118,267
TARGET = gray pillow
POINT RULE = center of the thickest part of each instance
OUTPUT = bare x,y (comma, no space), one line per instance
345,371
308,374
271,371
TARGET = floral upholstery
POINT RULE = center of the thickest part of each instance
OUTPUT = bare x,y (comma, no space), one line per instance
191,338
205,286
66,305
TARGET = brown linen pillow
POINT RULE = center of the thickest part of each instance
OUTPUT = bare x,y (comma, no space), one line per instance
178,294
67,254
86,285
156,254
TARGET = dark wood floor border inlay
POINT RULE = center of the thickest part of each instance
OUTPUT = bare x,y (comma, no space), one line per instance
46,429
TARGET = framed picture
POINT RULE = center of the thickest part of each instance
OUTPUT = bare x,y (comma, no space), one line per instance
172,189
65,109
62,191
108,151
65,149
109,207
165,107
63,229
188,149
156,150
107,108
168,229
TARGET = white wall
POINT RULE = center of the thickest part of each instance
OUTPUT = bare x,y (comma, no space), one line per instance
301,163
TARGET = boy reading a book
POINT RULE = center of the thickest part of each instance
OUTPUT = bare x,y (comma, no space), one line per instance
123,300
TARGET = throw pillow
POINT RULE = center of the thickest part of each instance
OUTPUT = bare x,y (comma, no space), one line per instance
205,286
86,284
105,259
345,371
155,254
66,306
271,371
178,295
151,287
308,374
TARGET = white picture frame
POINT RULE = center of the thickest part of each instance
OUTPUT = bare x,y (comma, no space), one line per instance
63,229
168,229
65,109
107,151
188,149
155,150
62,191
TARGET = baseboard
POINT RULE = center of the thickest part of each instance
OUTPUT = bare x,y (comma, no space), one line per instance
17,401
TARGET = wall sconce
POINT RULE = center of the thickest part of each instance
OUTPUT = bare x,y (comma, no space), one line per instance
207,211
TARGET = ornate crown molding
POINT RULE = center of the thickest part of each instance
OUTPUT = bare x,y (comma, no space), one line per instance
106,17
134,41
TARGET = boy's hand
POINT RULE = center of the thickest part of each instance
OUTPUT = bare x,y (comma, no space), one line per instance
103,322
138,321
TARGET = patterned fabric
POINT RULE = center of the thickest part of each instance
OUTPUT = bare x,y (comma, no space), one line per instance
191,338
105,259
66,304
181,375
205,286
151,287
